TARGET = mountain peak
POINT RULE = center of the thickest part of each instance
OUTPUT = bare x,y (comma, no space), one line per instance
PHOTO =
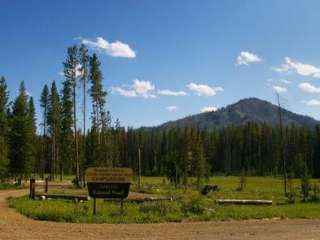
245,110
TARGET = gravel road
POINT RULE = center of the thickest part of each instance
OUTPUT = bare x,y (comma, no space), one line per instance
14,226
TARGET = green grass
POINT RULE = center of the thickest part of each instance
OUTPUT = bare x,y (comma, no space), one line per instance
188,206
4,186
66,211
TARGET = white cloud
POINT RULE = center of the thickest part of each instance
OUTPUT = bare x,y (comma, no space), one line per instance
172,108
142,87
279,89
209,109
139,88
313,102
114,49
203,90
309,88
167,92
245,58
124,92
298,67
285,81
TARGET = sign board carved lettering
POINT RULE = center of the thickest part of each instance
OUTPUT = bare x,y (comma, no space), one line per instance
108,182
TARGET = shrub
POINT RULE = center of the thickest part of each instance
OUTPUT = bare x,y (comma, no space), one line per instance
291,193
242,181
305,183
192,204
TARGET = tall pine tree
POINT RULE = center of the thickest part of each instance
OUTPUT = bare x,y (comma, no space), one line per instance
71,70
66,134
4,97
54,129
100,118
20,136
45,156
33,125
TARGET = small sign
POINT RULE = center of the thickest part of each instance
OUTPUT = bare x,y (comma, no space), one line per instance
109,175
108,182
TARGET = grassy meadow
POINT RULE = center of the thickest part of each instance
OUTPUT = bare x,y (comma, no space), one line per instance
5,186
188,204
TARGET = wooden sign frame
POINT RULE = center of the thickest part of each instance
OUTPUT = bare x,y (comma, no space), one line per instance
112,183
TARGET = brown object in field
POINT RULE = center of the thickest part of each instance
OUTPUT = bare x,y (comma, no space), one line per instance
141,200
206,189
243,202
46,185
32,188
75,198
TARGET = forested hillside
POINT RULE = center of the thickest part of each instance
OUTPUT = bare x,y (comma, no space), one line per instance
240,113
241,137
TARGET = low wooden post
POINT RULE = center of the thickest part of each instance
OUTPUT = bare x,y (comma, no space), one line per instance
94,206
32,191
46,185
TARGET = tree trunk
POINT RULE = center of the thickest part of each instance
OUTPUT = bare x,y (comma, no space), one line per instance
75,135
53,157
44,147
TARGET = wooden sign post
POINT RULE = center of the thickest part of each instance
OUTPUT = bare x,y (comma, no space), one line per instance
111,183
32,191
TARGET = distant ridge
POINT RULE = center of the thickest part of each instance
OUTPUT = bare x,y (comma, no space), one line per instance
241,112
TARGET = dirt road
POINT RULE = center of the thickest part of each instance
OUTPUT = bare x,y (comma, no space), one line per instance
15,226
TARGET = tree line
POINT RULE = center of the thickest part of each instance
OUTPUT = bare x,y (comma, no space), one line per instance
252,148
61,146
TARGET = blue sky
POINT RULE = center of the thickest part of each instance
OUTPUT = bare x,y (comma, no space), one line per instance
208,53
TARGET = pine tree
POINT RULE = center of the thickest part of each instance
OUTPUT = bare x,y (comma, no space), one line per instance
84,59
316,147
66,134
187,156
44,104
97,93
71,66
304,178
100,118
200,161
32,122
4,97
54,115
20,136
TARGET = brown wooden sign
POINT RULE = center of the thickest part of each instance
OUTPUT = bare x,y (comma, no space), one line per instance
109,175
108,182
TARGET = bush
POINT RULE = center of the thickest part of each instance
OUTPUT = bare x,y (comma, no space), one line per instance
192,204
291,194
305,182
242,181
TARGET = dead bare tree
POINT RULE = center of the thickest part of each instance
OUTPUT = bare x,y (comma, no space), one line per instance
282,154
